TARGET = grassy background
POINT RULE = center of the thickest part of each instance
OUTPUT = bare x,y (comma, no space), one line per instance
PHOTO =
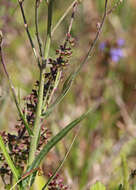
109,132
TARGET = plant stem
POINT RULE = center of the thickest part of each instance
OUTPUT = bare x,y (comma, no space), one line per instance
125,172
60,136
63,17
8,159
36,129
27,29
13,90
49,24
36,27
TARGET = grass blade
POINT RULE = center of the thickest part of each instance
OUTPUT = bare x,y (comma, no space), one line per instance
60,136
8,159
63,17
125,172
56,139
98,186
66,87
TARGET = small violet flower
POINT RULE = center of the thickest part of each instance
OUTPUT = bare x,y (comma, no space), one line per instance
115,51
102,46
120,42
116,54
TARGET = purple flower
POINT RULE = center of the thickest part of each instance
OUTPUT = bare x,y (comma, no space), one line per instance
102,46
116,54
120,42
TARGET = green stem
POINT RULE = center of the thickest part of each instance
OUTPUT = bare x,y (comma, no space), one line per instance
36,129
125,172
58,76
27,29
20,111
36,27
49,24
63,17
8,159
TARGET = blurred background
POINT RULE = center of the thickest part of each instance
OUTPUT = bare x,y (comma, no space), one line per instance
110,73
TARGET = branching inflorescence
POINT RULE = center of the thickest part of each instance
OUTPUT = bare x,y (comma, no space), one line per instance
31,134
19,144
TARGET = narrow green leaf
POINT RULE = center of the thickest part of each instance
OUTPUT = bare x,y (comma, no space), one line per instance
63,17
120,187
8,159
98,186
66,87
125,172
56,139
59,136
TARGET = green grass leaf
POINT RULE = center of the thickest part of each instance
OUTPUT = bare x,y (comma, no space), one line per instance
8,159
125,172
66,87
98,186
59,137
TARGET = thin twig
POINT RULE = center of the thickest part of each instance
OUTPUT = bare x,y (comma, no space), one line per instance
114,7
95,39
123,110
13,89
71,23
63,17
27,29
36,27
49,26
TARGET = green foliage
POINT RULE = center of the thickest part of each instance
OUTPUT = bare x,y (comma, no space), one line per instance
125,173
105,146
98,186
58,138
